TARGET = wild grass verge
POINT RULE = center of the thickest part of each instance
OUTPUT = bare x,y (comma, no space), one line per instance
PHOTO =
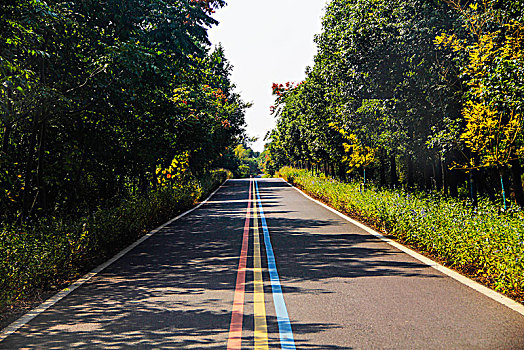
482,242
53,251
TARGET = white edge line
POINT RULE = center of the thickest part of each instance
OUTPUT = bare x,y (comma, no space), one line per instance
490,293
23,320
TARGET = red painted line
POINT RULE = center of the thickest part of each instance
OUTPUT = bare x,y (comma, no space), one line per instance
234,341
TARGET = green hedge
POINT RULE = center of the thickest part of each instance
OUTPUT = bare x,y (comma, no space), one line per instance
55,250
479,241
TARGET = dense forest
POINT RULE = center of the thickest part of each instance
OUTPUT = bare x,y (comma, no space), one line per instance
423,94
100,99
115,117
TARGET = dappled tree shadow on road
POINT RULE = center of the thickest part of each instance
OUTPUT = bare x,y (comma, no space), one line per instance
173,291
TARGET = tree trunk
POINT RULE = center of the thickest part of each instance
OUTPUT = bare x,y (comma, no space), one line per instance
28,169
40,197
516,181
382,172
503,182
452,177
437,173
342,172
473,187
410,179
428,175
42,200
445,177
393,170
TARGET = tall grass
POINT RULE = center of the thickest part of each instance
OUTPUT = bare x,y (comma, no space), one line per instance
480,241
54,250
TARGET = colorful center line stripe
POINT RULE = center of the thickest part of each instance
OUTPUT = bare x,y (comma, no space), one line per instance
234,341
284,325
261,339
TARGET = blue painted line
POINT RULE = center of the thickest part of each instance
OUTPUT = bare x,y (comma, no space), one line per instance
284,325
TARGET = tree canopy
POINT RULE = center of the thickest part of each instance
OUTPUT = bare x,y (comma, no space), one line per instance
424,93
96,96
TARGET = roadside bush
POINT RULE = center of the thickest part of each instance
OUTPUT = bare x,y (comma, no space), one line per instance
55,250
479,241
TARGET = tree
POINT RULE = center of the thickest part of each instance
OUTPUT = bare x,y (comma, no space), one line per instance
378,76
96,96
494,76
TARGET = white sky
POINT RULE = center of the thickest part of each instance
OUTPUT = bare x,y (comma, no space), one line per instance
266,41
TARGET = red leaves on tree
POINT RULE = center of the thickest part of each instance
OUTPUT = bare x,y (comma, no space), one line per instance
281,89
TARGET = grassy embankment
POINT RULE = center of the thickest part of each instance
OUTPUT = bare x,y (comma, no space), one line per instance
481,242
56,250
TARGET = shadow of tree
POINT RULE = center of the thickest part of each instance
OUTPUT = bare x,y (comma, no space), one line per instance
173,291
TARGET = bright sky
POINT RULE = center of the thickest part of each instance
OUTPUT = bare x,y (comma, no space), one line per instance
267,41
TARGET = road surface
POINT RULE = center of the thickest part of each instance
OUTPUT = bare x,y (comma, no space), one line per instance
287,274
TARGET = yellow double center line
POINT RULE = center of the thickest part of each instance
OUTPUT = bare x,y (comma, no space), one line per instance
261,338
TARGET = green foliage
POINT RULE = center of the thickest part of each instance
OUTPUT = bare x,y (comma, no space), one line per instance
412,110
493,72
94,97
480,240
54,250
241,160
378,77
357,155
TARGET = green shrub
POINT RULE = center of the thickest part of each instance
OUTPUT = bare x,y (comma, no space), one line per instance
54,250
480,241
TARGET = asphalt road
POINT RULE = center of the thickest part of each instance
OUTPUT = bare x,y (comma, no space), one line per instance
343,288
